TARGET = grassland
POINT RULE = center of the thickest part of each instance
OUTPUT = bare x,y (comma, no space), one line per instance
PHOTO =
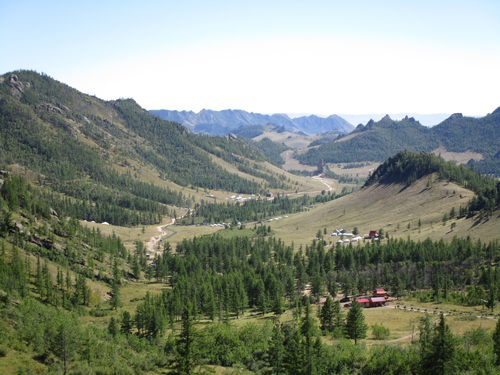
392,207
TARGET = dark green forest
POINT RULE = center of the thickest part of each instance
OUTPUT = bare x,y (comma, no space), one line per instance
256,209
271,150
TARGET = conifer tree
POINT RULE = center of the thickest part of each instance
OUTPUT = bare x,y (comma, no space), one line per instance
115,298
496,343
39,277
276,351
355,325
327,315
491,298
294,355
187,358
438,356
112,327
126,324
307,329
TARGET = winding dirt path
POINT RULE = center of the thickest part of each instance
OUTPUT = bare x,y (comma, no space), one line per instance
318,178
150,245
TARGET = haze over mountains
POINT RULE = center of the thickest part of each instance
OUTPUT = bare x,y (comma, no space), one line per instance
223,122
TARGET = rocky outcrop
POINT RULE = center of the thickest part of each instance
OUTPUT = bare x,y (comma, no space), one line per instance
456,116
17,86
49,108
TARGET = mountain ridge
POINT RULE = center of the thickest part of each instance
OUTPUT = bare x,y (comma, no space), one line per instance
222,122
377,141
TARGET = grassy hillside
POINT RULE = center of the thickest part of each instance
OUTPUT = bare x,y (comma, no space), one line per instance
404,191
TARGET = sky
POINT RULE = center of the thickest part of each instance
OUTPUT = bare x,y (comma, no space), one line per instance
321,57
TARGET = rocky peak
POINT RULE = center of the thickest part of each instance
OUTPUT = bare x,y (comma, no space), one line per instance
456,116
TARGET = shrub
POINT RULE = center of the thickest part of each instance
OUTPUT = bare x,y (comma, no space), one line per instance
380,332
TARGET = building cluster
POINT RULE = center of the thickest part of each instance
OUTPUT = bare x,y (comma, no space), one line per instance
349,237
379,298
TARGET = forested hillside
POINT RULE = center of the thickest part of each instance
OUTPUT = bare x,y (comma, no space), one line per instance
377,141
459,133
271,150
78,143
374,142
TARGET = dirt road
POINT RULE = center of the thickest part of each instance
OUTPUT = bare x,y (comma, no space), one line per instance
150,245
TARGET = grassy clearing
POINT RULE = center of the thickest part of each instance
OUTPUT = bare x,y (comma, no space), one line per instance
353,172
292,140
291,163
458,157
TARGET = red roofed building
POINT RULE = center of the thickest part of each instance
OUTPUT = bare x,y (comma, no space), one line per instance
380,292
373,234
365,302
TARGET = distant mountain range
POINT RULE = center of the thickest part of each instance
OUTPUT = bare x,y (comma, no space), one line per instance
426,120
223,122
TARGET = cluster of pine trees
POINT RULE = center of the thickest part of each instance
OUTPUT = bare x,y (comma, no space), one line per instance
256,209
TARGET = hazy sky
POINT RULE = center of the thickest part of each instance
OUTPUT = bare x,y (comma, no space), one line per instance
321,57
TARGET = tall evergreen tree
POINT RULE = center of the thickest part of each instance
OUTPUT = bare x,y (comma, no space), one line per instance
327,315
438,356
187,358
126,324
276,351
355,325
294,355
496,343
115,297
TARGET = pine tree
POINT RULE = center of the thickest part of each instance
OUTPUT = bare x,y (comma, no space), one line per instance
67,338
496,343
327,315
355,324
115,297
112,327
338,319
491,299
136,268
126,324
276,351
294,356
307,329
39,278
187,357
438,355
396,285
